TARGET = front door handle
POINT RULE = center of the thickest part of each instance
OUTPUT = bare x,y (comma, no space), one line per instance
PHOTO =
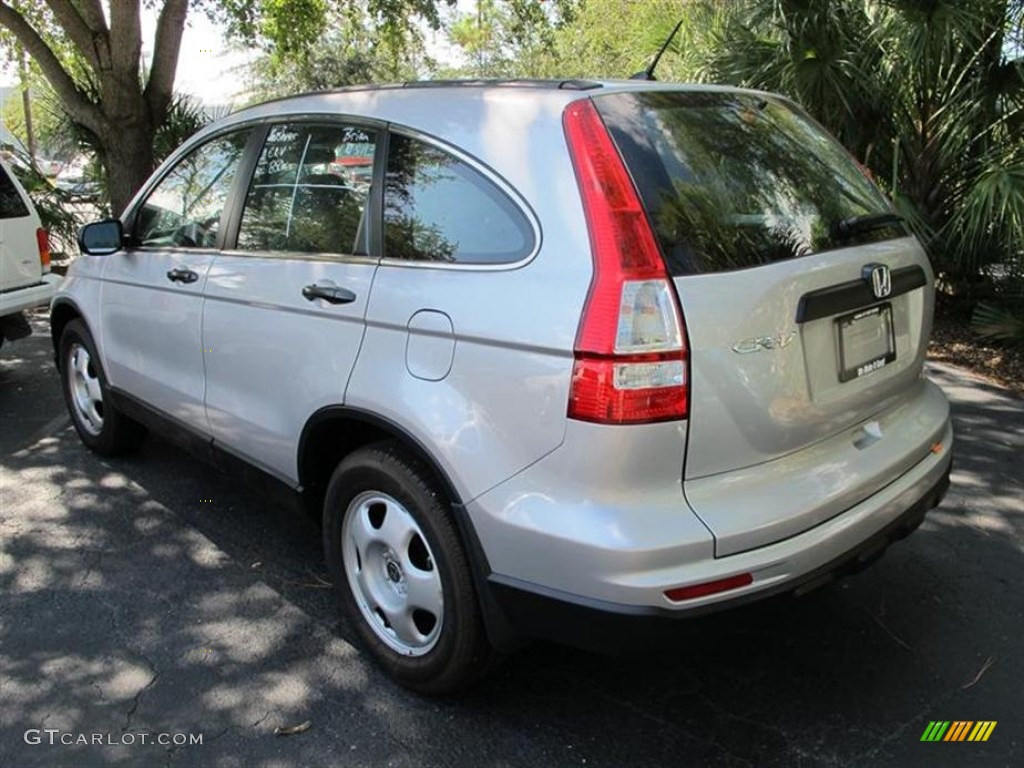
332,294
182,276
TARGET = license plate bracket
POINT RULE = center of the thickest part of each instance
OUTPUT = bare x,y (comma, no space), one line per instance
866,340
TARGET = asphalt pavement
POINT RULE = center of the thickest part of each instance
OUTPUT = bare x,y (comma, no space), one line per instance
156,595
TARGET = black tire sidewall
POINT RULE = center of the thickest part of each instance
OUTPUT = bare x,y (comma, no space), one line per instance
105,443
459,655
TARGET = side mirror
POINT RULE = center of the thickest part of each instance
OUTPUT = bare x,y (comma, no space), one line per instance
101,238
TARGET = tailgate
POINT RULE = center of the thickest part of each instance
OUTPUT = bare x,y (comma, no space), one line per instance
770,349
806,301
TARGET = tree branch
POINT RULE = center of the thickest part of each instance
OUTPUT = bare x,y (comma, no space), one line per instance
166,48
75,28
126,35
77,104
92,12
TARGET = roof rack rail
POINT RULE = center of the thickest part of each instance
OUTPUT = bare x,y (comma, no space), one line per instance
567,85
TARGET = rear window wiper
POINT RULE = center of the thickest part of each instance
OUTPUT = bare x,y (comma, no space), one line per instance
854,224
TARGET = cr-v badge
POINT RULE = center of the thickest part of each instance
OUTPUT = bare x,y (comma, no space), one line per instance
779,341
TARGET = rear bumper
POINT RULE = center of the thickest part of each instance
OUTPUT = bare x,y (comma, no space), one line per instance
30,296
532,611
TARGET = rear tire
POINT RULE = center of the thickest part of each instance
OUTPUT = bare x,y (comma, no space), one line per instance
396,557
100,425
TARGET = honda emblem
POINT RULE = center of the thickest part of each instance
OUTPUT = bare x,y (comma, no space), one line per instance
879,278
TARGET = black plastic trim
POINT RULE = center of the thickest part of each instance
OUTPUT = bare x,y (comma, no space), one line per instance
499,630
60,303
554,84
855,294
22,287
231,218
195,441
564,85
606,627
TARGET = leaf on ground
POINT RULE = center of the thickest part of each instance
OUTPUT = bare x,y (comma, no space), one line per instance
291,730
984,668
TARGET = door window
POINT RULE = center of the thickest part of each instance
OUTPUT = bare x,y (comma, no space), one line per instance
310,191
11,204
185,208
438,208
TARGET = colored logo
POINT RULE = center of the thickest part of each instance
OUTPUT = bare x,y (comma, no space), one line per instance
958,730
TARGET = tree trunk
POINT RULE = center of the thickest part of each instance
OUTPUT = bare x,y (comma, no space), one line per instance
127,158
26,106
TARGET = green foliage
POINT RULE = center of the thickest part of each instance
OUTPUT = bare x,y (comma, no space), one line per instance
350,51
999,323
608,38
58,211
927,94
292,23
292,33
184,117
514,38
354,42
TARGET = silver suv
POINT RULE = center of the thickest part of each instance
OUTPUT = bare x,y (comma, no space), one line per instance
570,360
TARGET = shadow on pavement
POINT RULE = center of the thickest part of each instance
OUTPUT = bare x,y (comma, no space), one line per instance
157,594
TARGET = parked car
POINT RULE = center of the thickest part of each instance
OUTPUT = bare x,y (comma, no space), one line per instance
585,359
25,279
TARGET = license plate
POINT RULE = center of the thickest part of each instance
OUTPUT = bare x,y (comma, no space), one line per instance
867,341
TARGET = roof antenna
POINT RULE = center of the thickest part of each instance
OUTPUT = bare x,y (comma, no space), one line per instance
648,74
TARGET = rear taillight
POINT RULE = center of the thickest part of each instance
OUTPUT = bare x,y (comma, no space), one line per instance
43,242
630,351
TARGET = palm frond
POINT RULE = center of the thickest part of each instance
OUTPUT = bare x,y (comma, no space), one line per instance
999,324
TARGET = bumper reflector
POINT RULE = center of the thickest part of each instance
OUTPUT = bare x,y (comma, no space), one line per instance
709,588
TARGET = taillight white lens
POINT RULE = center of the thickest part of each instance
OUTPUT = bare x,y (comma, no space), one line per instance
648,321
667,373
631,363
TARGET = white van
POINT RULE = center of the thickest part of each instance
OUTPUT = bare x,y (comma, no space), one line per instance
25,279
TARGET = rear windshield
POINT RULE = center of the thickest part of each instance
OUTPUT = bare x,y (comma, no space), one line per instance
733,180
11,204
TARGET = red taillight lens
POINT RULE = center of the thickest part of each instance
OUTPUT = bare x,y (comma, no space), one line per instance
630,349
43,242
709,588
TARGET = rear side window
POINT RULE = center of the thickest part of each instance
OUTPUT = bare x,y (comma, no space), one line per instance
310,191
733,180
11,204
438,208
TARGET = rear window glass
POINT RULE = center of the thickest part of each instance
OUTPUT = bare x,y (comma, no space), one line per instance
733,180
438,208
11,204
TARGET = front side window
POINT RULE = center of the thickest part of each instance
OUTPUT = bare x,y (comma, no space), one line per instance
438,208
184,210
310,191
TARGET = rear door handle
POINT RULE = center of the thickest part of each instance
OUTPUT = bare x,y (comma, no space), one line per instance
332,294
182,276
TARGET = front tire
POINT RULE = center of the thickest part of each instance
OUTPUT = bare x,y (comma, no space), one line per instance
100,425
397,560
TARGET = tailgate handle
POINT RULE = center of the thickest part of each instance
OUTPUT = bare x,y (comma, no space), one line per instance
332,294
856,294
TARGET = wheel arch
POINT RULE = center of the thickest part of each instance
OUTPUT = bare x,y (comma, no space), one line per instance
333,432
63,311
